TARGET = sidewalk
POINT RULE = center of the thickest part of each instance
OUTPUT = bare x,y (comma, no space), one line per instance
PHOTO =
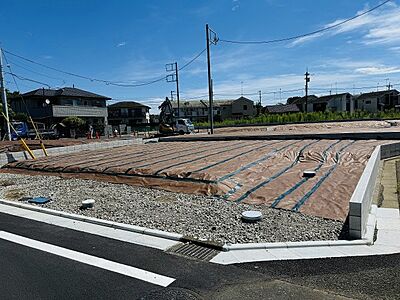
389,183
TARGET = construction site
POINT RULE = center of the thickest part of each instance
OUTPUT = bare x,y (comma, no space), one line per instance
196,176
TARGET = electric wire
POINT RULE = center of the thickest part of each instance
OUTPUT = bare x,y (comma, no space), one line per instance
107,82
35,72
27,79
309,33
23,100
193,59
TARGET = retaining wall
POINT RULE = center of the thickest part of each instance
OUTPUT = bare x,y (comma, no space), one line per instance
23,155
361,200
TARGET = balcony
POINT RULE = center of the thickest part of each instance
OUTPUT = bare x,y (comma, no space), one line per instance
79,111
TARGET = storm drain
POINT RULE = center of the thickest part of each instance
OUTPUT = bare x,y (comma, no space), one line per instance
191,250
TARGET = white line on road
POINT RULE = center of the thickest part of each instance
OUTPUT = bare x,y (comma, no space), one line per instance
102,263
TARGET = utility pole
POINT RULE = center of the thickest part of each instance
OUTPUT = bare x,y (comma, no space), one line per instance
259,105
172,95
389,86
210,89
173,67
177,86
4,96
307,79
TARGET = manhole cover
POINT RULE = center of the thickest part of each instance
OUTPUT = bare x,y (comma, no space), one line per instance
194,251
171,293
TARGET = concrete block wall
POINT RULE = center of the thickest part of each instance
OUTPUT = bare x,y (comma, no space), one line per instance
23,155
361,200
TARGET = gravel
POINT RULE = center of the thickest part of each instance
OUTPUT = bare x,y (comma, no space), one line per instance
199,217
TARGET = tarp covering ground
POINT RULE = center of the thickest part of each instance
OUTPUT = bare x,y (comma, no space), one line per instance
265,172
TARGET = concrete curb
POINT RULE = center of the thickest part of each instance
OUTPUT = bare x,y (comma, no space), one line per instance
367,240
182,238
288,245
116,225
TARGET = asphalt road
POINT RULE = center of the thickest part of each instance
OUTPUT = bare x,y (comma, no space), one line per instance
28,273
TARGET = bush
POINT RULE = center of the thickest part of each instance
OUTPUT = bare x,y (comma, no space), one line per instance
306,117
73,122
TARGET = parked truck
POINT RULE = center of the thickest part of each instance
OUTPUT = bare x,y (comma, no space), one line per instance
170,125
23,130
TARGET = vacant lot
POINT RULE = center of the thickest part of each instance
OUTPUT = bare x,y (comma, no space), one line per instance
254,172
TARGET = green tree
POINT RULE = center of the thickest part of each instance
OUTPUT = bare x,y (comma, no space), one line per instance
73,122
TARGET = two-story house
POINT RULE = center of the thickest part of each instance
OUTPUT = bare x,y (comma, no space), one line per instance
377,101
338,102
197,111
128,113
51,106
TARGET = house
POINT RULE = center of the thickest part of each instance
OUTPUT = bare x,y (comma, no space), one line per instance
281,109
377,101
129,113
51,106
197,111
337,102
301,102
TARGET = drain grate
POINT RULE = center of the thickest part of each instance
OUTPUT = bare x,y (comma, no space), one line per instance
191,250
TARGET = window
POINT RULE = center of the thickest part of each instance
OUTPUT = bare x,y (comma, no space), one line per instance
245,107
368,102
67,102
124,112
181,122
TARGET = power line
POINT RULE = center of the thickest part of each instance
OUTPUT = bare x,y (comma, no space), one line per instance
27,79
193,59
107,82
33,71
309,33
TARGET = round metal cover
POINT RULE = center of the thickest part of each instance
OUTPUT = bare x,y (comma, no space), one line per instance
309,173
88,203
251,215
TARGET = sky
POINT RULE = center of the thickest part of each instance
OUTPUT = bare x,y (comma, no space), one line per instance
130,42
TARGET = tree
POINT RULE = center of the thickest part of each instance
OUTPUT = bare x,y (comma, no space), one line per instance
73,122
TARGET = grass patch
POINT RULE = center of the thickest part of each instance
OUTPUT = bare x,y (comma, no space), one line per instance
398,180
14,194
305,117
380,194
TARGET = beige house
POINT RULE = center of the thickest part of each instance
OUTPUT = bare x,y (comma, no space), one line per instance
197,111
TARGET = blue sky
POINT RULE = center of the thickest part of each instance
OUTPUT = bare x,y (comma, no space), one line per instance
131,41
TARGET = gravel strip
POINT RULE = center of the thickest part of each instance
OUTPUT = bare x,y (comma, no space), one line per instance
197,216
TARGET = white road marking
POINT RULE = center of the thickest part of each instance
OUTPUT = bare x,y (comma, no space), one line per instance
98,262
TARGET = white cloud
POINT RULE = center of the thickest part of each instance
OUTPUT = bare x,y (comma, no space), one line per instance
121,44
378,27
378,70
236,5
395,49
